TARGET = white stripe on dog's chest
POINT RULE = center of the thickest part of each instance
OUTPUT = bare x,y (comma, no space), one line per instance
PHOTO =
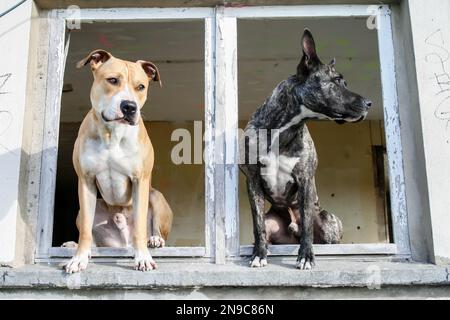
277,172
113,164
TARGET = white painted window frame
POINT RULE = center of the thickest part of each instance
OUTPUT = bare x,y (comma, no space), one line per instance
221,116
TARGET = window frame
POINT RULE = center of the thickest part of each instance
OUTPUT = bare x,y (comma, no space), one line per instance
401,244
221,123
58,48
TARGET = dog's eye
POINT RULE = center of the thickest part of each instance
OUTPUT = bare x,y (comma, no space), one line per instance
340,81
141,87
113,81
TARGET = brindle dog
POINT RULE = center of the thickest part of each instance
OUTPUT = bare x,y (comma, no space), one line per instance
284,173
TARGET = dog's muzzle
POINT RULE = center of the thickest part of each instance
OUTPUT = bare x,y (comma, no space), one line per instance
352,120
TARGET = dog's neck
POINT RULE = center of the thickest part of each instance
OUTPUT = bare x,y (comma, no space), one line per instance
113,133
284,109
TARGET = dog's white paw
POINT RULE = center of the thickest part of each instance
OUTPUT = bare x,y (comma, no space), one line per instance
143,261
77,263
70,244
257,262
304,264
156,242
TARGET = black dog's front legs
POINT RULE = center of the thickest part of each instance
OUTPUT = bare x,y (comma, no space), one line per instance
306,198
256,197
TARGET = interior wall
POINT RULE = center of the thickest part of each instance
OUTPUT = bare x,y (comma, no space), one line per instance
182,185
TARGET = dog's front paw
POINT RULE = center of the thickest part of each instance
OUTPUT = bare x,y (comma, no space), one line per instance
305,260
143,261
258,262
259,258
156,242
78,263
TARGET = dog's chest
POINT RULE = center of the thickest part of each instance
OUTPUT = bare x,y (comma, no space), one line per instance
277,172
113,164
118,156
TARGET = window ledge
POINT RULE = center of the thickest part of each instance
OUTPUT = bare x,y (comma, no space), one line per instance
189,273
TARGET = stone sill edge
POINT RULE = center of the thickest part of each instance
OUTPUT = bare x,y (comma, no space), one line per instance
119,278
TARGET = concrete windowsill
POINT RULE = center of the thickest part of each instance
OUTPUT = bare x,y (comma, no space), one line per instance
189,273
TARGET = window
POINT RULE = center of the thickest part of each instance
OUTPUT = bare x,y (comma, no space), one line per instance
177,47
229,44
350,179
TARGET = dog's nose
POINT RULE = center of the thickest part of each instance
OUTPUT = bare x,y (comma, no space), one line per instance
128,108
367,103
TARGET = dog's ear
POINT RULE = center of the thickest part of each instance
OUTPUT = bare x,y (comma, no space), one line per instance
151,70
308,45
309,59
332,63
96,58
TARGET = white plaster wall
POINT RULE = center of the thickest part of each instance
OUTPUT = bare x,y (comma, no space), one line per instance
14,42
419,221
430,23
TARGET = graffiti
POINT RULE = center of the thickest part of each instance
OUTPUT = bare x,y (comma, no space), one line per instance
3,80
439,57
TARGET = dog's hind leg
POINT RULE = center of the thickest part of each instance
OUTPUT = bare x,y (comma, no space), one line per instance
278,227
293,227
160,220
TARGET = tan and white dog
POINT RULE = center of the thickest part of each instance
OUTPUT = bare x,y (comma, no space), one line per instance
113,153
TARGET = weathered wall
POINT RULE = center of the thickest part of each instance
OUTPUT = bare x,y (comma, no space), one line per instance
431,43
31,149
217,293
416,185
14,62
331,278
422,235
48,4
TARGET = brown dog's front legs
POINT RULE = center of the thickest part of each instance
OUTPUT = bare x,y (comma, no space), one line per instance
142,259
87,196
